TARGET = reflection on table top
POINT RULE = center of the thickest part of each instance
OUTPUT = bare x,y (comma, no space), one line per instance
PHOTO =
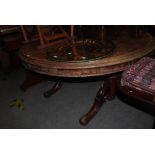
127,51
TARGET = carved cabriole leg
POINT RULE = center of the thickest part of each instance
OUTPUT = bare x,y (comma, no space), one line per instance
53,90
106,92
99,100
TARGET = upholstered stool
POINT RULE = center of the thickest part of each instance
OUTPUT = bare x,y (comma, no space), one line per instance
138,84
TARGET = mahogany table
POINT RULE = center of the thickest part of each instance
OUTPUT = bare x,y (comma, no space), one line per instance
128,49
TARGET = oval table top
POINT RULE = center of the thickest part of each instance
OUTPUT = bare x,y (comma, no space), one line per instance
127,50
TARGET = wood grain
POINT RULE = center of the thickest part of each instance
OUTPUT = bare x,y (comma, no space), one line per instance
128,50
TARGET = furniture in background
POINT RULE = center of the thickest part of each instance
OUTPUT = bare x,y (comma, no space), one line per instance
46,36
29,34
4,60
10,41
137,86
51,36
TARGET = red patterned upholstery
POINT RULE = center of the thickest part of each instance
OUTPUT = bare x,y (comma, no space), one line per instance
141,75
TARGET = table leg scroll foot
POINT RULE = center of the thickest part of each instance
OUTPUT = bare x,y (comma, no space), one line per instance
99,100
106,92
93,111
53,90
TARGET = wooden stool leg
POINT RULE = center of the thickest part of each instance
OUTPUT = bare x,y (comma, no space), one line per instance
53,90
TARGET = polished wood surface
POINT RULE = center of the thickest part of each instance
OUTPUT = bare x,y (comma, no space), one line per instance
54,89
107,91
128,50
